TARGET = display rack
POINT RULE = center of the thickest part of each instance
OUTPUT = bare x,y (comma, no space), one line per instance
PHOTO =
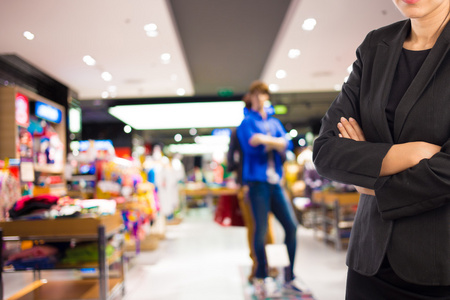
10,127
96,229
334,216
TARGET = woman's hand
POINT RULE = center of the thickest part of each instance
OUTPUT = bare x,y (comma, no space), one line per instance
363,190
350,129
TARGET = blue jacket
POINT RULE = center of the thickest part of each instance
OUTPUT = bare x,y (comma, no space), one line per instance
256,158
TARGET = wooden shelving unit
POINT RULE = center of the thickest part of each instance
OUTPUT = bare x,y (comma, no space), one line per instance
96,229
9,132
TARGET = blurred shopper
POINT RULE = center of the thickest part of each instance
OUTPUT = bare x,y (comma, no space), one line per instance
263,142
234,164
388,132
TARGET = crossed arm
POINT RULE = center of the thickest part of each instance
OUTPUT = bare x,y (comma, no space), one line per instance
272,143
399,157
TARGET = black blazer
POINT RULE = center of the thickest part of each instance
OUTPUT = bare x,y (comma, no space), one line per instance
409,218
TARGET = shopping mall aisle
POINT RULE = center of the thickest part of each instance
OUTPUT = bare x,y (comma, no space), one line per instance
201,260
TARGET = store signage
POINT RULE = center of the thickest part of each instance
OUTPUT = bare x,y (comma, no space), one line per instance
221,132
98,145
22,111
48,112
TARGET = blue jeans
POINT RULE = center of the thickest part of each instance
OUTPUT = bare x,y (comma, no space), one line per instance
265,197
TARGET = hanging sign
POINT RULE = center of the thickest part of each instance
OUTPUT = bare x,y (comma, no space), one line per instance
48,112
22,111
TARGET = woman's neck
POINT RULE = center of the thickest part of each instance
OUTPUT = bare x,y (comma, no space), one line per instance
425,32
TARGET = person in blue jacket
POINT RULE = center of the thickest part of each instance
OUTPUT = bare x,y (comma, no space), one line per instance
264,144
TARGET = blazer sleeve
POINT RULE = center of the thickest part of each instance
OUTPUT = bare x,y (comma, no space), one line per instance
346,160
424,187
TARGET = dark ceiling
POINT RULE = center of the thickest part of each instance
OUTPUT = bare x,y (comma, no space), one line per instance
227,43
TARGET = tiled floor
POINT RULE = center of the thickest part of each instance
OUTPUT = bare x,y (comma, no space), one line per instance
201,260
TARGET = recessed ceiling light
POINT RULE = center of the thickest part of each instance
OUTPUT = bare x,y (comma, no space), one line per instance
105,94
192,131
181,92
28,35
178,137
151,30
127,128
280,74
302,142
106,76
150,27
309,24
274,87
294,53
165,58
89,60
293,133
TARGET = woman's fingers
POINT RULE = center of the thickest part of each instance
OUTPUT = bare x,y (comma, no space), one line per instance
343,131
350,129
357,129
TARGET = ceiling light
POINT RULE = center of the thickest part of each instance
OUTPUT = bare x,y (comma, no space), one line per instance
178,137
274,87
28,35
280,74
181,92
127,128
192,131
294,53
302,142
309,24
337,87
181,115
89,60
151,30
106,76
105,94
150,27
165,58
293,133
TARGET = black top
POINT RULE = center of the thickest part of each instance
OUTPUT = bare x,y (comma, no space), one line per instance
408,66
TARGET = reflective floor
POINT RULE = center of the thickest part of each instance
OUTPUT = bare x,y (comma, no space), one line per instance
201,260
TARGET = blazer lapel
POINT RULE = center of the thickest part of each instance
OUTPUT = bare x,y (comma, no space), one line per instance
385,64
421,80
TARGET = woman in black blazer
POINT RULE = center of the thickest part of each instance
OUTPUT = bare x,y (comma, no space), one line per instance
388,133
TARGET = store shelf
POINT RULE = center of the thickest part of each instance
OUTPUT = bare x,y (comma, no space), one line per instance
63,228
65,290
95,229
